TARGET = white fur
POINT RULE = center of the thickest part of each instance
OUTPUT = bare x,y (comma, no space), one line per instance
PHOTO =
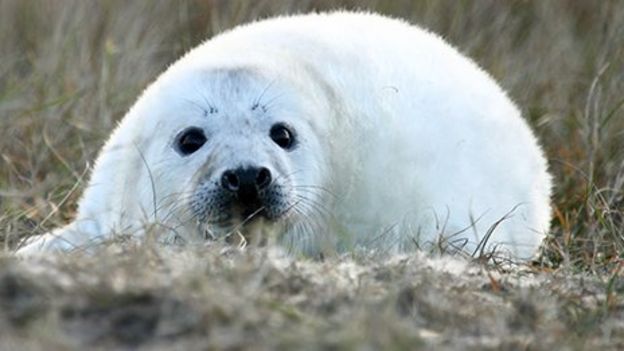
409,138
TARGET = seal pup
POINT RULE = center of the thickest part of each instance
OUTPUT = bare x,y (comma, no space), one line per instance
340,130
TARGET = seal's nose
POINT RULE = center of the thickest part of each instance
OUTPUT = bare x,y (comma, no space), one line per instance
246,182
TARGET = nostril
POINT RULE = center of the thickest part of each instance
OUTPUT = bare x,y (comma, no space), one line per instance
263,179
230,181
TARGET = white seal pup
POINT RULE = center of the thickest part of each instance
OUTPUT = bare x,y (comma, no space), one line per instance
340,129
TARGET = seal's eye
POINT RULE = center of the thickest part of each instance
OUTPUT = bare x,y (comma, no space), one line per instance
190,140
283,136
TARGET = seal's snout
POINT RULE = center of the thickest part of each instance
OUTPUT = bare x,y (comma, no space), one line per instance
246,183
240,196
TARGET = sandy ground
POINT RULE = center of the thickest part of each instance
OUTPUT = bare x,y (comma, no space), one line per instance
142,297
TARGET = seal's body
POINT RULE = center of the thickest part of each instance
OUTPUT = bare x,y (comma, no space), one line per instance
339,129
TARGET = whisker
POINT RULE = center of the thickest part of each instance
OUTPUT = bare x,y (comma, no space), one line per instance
199,106
315,187
257,101
270,103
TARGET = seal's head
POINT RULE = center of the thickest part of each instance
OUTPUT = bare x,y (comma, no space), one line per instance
241,145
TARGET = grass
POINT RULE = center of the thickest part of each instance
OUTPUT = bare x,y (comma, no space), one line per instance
70,69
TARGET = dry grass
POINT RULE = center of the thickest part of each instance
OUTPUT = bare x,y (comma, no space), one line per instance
70,69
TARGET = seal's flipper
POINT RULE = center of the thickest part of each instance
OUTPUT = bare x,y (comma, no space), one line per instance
67,238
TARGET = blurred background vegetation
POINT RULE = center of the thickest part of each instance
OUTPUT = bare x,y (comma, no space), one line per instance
69,69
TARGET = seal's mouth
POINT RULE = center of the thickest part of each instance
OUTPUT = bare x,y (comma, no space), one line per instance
239,218
250,213
244,226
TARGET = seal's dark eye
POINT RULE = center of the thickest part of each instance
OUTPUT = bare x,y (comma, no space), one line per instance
190,140
283,136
